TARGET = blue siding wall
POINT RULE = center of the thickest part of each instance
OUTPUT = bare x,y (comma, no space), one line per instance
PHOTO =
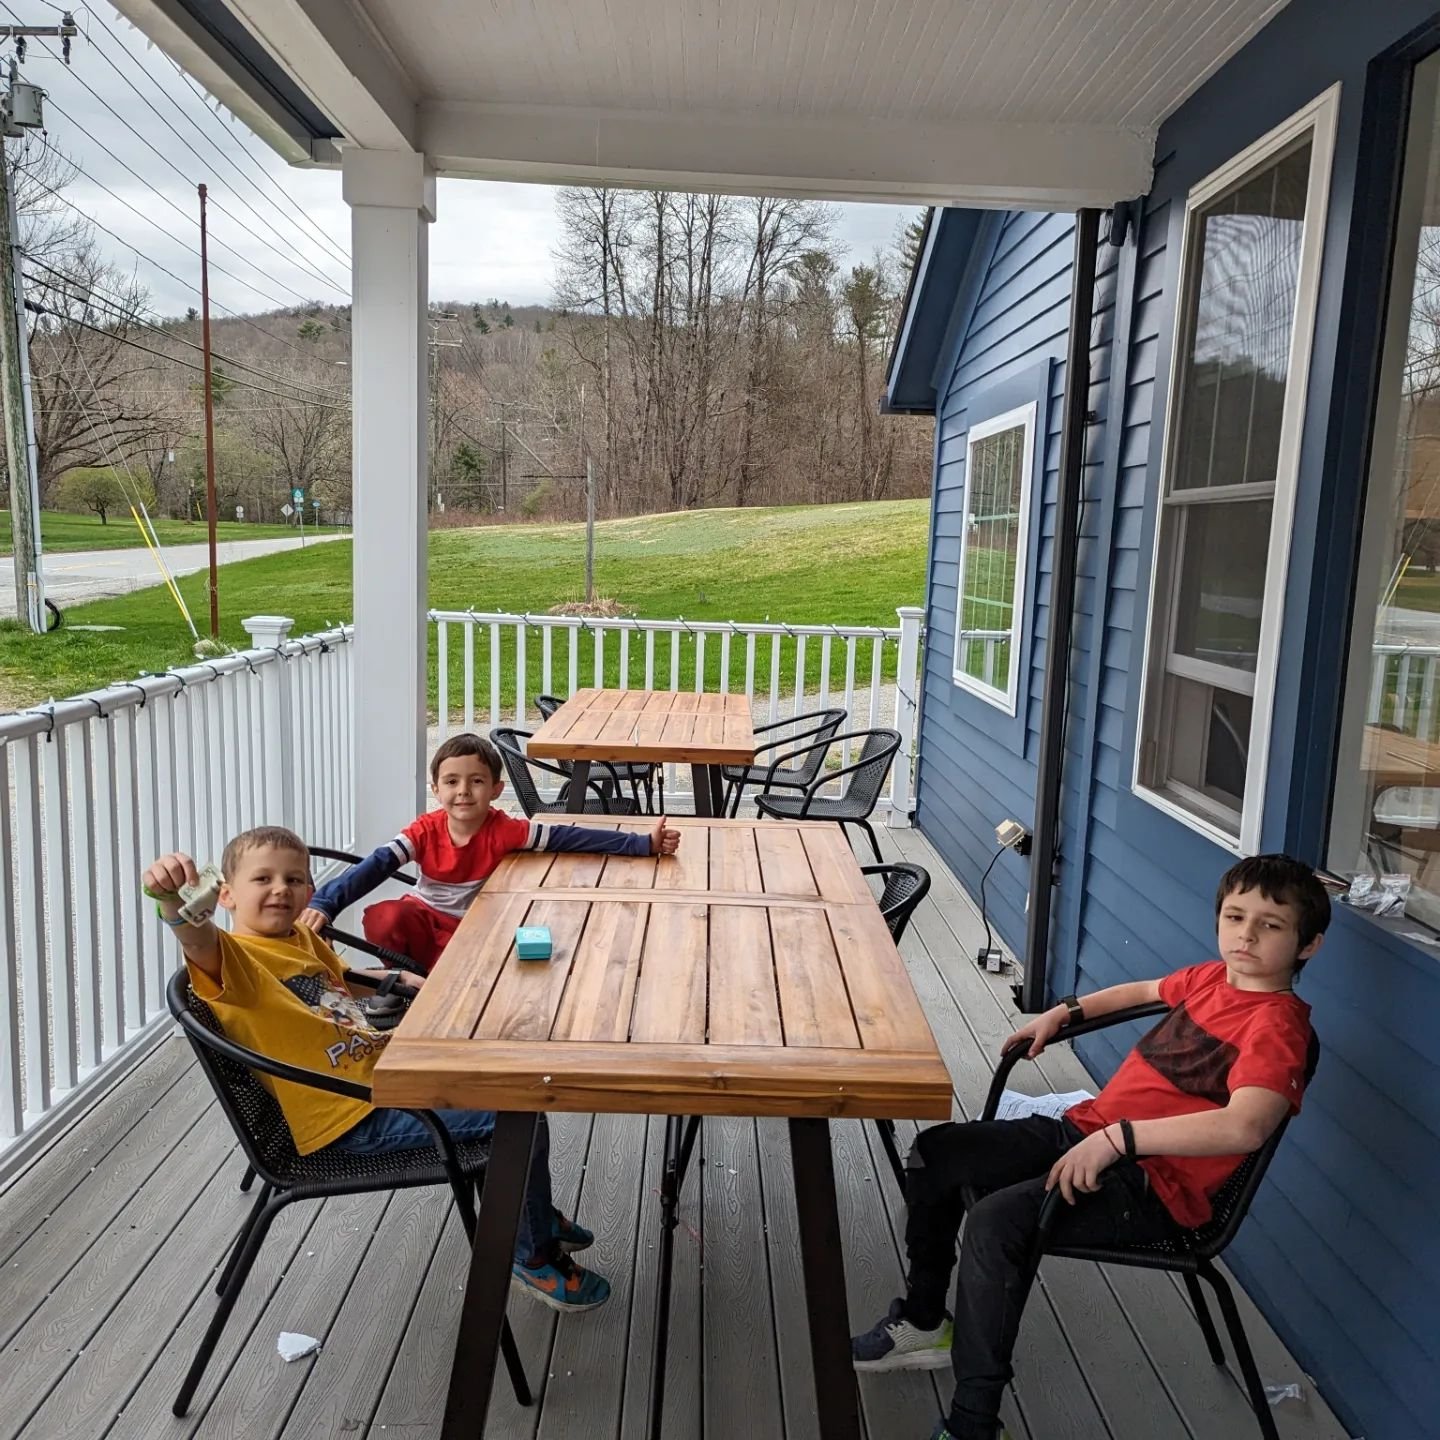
1341,1249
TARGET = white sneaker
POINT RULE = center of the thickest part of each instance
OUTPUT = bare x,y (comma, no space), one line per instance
895,1344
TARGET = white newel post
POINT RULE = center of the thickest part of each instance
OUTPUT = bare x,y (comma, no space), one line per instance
392,201
907,709
270,632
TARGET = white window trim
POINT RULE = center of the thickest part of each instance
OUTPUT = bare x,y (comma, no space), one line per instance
1024,416
1318,117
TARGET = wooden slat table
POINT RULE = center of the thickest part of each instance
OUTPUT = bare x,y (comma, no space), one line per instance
704,731
750,974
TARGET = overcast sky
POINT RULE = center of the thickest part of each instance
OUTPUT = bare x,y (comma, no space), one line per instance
491,239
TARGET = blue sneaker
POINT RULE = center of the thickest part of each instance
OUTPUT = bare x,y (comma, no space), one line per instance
571,1236
561,1284
895,1344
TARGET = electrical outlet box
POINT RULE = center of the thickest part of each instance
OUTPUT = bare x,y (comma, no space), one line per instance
992,960
532,942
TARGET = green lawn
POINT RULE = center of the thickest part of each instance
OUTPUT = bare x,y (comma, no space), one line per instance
60,531
838,564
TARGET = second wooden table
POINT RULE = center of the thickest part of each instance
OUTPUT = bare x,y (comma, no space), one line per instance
676,727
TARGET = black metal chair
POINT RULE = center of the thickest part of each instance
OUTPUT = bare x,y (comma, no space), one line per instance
857,803
518,766
1191,1253
638,777
826,725
289,1176
905,887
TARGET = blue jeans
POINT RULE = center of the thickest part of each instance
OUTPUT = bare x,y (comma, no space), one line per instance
383,1131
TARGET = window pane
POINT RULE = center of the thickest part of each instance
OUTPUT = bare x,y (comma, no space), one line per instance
1241,313
1208,742
1386,812
1222,582
994,500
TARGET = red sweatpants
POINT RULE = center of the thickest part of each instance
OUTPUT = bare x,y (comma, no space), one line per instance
410,926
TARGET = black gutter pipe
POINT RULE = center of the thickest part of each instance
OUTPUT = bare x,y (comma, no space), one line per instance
1030,993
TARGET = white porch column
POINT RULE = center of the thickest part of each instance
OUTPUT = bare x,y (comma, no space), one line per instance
392,200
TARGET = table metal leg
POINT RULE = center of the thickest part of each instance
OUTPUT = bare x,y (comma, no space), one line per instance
717,791
704,795
576,788
677,1160
472,1375
836,1396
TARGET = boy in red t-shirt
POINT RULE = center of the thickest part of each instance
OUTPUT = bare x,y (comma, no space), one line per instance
1204,1088
456,848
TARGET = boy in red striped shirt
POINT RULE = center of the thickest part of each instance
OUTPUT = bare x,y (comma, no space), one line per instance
1198,1093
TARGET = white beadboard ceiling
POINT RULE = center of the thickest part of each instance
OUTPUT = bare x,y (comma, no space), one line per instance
1031,102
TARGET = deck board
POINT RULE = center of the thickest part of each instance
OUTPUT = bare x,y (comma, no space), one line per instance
105,1317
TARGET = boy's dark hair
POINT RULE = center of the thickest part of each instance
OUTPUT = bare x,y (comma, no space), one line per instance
1286,882
258,838
466,744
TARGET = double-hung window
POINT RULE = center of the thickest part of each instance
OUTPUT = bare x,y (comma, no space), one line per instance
993,555
1249,272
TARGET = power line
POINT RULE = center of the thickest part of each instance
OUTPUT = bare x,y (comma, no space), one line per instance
171,359
149,260
120,310
166,159
332,250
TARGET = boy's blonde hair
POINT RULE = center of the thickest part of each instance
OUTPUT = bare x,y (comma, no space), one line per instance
257,839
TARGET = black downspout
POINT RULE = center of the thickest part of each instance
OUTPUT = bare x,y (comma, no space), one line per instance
1030,993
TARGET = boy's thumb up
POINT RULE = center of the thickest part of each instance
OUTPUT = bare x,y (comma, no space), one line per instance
664,840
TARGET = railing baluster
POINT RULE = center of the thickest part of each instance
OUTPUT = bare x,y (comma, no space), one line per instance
699,661
725,662
80,872
132,862
625,655
494,676
30,889
774,712
111,929
850,643
470,676
12,1101
797,706
547,683
599,657
1425,726
442,677
58,893
156,780
750,667
574,659
522,677
877,662
1379,663
824,672
675,659
649,658
1402,696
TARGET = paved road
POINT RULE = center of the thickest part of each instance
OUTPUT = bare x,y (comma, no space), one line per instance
74,576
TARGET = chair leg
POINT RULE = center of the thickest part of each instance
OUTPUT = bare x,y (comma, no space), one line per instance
1243,1354
874,843
262,1200
1202,1315
259,1228
892,1151
247,1179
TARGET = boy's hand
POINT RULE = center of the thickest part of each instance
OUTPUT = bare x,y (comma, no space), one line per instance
313,919
1080,1168
1040,1031
663,840
167,874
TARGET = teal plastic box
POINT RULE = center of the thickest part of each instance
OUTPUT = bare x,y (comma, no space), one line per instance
532,942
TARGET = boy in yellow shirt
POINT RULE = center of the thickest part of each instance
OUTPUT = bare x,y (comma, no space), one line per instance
276,987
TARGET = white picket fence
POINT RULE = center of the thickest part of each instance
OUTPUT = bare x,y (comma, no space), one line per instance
490,666
95,787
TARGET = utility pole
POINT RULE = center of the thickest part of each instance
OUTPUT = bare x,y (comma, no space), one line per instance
504,463
210,516
589,530
22,110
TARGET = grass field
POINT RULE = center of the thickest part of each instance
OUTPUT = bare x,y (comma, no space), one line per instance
848,564
60,531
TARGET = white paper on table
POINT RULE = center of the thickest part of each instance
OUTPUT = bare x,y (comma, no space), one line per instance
1014,1105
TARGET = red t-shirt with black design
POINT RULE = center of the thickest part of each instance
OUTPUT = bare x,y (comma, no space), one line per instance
1215,1040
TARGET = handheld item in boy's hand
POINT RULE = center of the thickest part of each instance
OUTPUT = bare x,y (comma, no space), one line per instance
532,942
198,901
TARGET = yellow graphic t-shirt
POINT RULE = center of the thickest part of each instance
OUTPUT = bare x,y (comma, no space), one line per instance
287,999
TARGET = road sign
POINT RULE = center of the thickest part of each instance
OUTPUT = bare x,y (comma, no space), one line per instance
315,504
287,510
298,495
239,512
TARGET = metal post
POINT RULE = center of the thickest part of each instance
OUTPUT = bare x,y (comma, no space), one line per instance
19,454
209,423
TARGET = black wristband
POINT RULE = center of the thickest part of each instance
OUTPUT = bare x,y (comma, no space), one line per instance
1127,1133
1072,1005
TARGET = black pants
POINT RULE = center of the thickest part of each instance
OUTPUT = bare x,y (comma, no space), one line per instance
1008,1160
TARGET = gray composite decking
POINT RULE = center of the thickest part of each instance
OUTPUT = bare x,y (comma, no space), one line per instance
108,1246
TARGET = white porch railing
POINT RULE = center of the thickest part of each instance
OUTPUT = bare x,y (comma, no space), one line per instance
95,787
490,666
1405,689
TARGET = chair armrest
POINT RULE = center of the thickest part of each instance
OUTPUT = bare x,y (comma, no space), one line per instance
1011,1057
823,778
788,739
393,958
253,1060
793,754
